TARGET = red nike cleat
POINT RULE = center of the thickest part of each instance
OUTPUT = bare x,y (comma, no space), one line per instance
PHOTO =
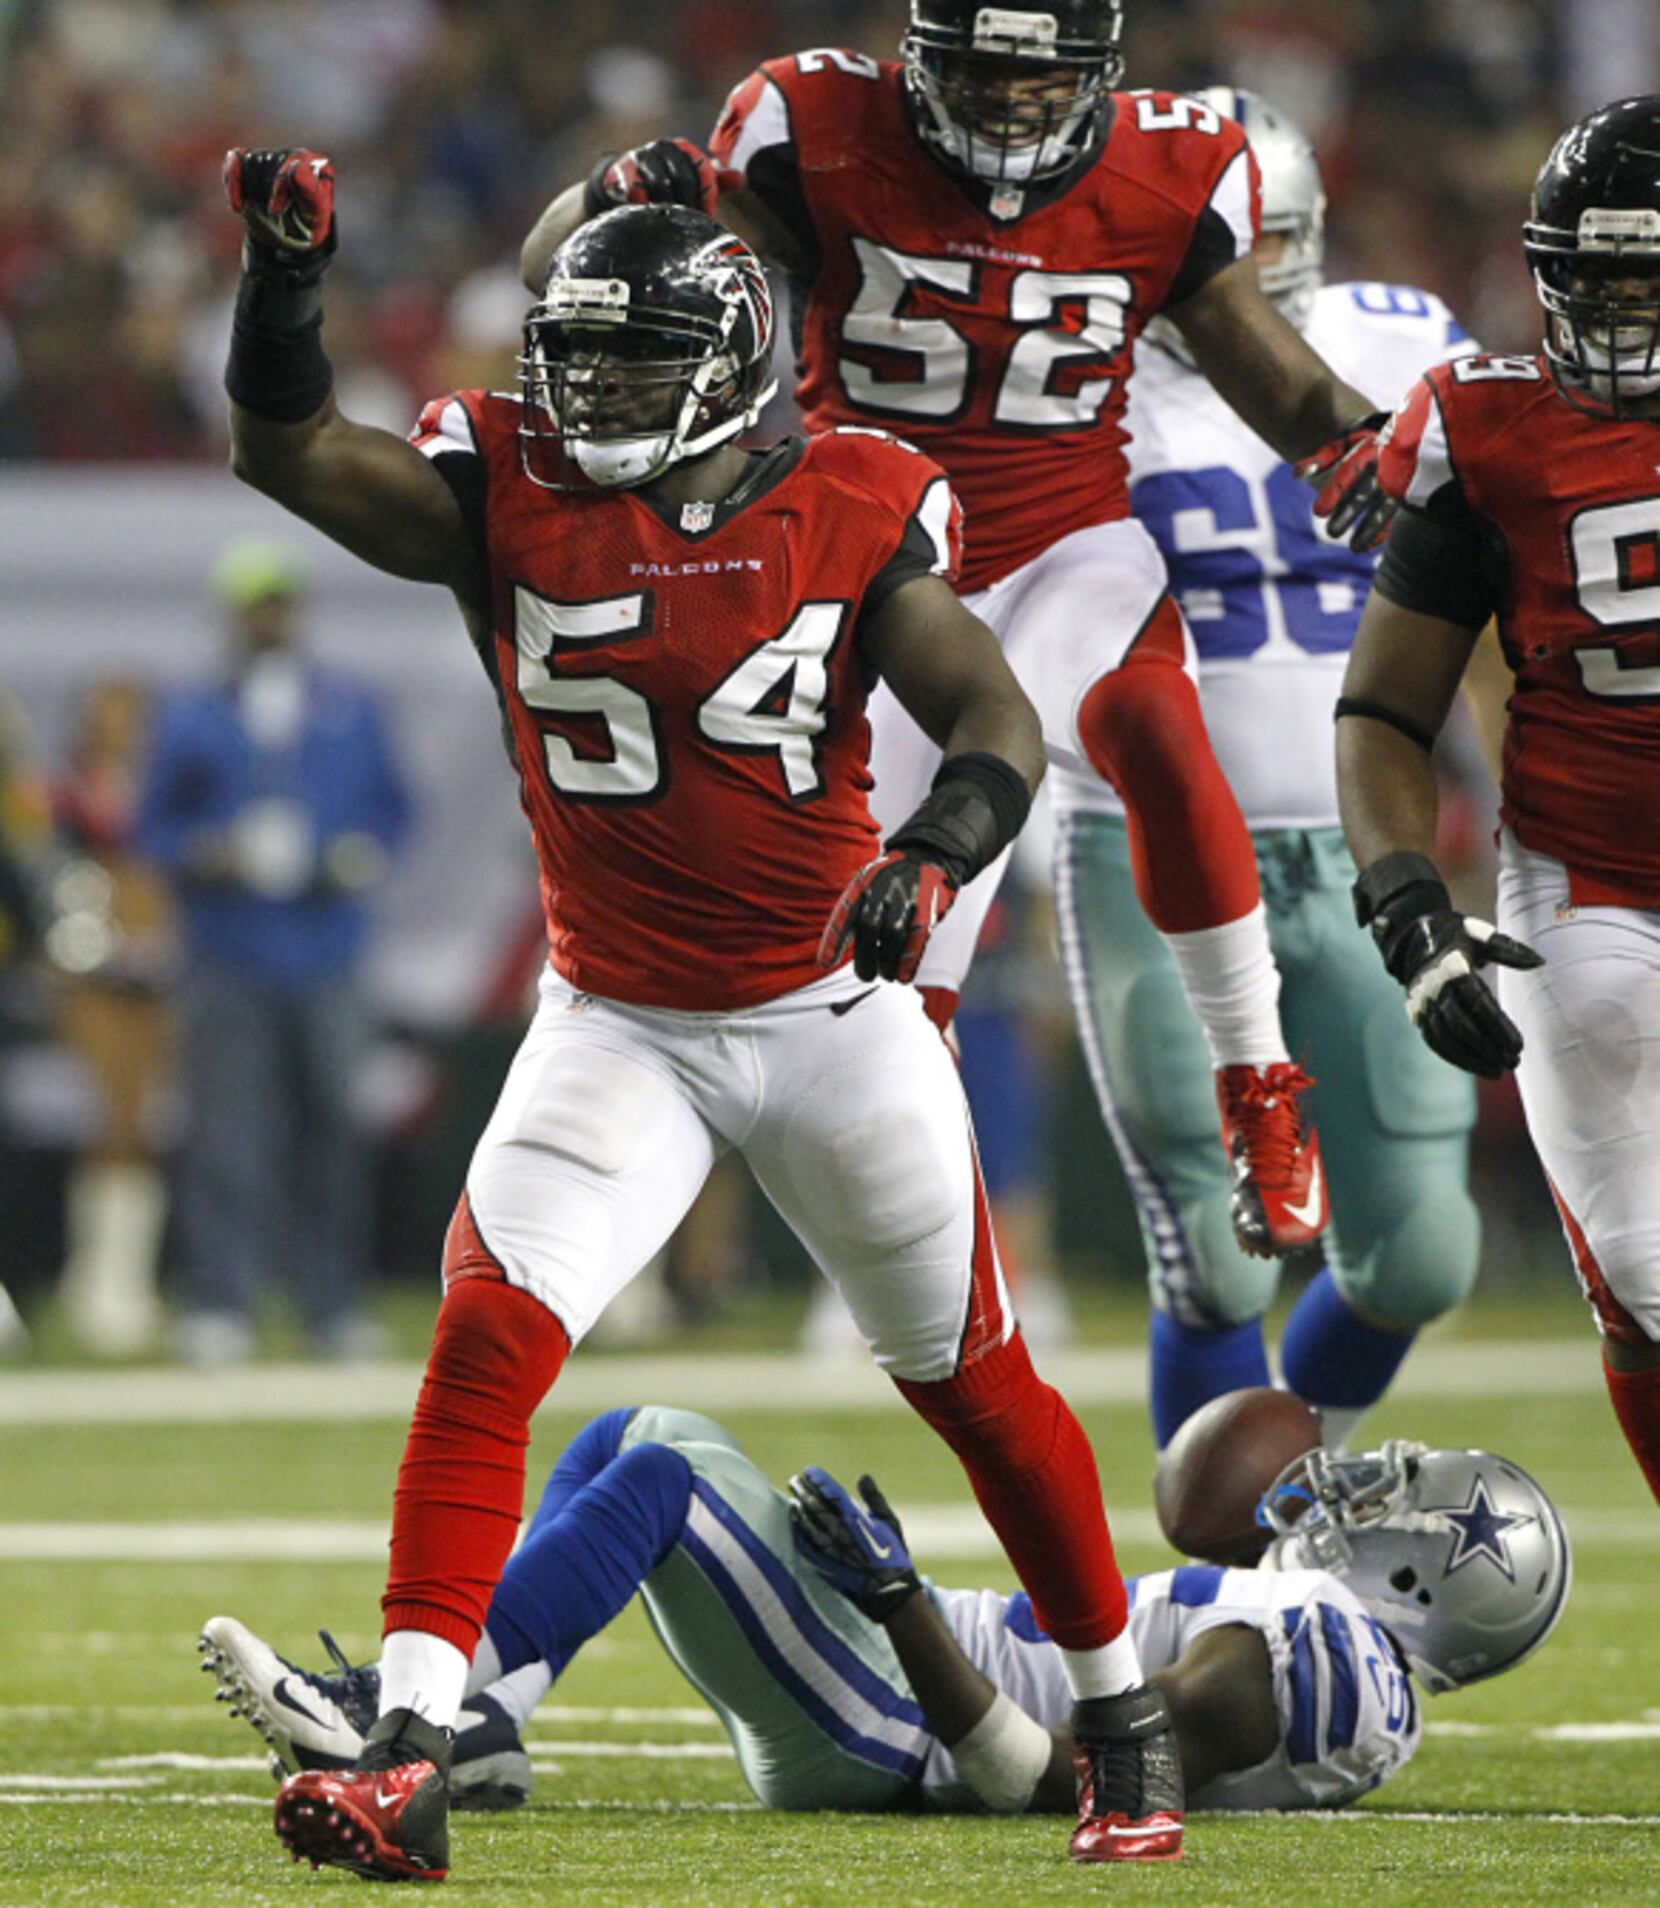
387,1819
1279,1185
1130,1794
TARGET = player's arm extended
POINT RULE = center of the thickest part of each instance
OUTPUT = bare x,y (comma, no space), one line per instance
1220,1691
1264,367
367,489
944,665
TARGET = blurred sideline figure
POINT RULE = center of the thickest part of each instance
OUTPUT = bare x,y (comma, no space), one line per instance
273,802
1528,491
112,942
25,834
1273,603
846,1682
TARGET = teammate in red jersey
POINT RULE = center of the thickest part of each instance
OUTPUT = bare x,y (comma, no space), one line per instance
977,235
1530,491
682,635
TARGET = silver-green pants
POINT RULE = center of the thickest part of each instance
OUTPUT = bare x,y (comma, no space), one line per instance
1393,1120
810,1690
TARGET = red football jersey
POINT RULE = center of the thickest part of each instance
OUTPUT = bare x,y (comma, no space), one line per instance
1001,346
685,699
1574,502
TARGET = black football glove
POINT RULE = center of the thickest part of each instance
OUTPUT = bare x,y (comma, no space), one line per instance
1350,499
887,911
285,198
662,172
1436,954
861,1551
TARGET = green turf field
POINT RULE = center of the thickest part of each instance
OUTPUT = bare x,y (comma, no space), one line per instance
122,1783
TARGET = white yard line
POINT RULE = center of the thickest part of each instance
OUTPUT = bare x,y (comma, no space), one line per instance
771,1381
955,1531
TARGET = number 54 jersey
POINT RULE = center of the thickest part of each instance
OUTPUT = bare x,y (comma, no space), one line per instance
1550,520
683,696
996,338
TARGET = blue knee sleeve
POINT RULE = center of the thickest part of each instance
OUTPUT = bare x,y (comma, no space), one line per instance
1191,1364
1331,1356
582,1460
579,1567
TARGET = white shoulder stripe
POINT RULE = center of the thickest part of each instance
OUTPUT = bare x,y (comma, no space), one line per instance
1232,201
454,433
934,515
767,123
1433,469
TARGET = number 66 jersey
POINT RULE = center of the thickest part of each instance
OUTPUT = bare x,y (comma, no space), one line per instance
1548,517
684,696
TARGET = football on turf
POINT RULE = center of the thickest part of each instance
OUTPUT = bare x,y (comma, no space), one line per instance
1212,1472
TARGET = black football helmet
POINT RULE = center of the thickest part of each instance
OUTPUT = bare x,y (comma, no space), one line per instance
1011,95
651,343
1593,242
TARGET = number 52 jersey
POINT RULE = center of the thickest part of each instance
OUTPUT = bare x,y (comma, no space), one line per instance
1548,518
684,696
1001,347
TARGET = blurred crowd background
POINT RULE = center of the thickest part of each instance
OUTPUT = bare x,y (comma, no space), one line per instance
450,125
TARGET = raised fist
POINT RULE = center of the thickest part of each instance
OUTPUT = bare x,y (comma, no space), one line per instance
285,197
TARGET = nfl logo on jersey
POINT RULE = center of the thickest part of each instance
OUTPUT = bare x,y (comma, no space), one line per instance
696,516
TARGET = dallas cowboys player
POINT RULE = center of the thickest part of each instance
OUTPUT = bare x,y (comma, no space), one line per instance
1273,603
846,1682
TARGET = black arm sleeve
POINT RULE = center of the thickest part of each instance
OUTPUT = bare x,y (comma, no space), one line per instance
1448,563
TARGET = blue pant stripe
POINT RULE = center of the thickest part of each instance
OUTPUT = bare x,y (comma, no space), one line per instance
1303,1744
1344,1679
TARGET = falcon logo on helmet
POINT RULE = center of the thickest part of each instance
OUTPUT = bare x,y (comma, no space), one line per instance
1458,1554
1011,95
1593,242
651,343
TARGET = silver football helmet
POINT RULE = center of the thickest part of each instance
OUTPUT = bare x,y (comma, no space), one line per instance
1458,1554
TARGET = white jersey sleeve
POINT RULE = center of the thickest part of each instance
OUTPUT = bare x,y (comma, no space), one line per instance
1272,601
1347,1710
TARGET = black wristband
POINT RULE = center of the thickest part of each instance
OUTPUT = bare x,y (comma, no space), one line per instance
277,367
1377,712
1392,896
978,803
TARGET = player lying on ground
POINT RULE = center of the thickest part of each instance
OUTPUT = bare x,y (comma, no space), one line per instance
1529,492
842,1687
682,635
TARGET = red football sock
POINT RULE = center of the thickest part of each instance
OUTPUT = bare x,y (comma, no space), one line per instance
461,1484
1636,1396
1034,1474
1144,732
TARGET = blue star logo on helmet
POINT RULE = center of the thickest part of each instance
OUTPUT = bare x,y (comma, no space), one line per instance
1479,1529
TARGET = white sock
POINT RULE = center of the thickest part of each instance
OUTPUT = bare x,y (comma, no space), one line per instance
1232,984
1338,1424
423,1673
486,1667
1107,1671
522,1689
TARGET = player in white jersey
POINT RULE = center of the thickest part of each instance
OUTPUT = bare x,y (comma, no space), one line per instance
845,1681
1273,604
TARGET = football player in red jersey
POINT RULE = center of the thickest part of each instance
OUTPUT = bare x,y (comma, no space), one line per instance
1530,492
682,635
976,236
